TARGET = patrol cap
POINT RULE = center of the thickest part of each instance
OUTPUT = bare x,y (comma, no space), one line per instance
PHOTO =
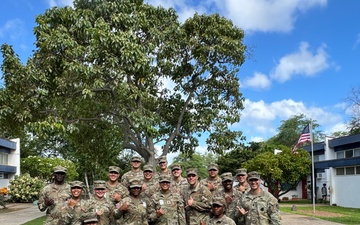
99,184
191,171
148,167
226,176
135,183
253,175
76,183
162,159
91,220
218,201
241,171
135,159
114,169
213,166
164,178
175,166
59,169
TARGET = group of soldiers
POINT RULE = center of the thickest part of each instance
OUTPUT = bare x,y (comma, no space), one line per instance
146,196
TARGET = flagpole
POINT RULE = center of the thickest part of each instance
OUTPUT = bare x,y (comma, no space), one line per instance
312,168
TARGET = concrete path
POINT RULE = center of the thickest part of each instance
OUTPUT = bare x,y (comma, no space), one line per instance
26,212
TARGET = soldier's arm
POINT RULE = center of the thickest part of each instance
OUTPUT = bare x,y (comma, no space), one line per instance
203,204
274,212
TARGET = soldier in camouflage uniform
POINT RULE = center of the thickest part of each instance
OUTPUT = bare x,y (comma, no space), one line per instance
90,220
230,195
241,176
135,171
257,206
53,196
178,183
115,191
163,164
213,181
74,208
100,205
197,198
150,183
133,209
218,217
167,207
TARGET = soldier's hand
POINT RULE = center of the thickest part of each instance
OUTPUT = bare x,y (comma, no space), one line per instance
159,212
124,207
48,202
211,186
202,222
228,198
72,203
143,187
190,201
241,210
99,212
117,197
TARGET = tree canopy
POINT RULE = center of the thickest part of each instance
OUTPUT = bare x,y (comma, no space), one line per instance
132,67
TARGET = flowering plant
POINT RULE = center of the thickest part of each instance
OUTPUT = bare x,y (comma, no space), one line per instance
3,192
25,188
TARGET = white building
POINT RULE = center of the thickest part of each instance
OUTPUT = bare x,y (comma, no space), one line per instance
9,160
336,164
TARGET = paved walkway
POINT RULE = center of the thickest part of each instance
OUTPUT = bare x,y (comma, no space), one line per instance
26,212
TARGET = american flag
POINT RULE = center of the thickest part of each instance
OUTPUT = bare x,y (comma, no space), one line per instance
305,136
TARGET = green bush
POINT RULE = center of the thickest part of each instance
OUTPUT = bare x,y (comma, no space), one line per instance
25,188
43,168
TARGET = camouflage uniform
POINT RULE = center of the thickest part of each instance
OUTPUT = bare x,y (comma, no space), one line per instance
58,193
247,187
235,196
224,220
152,185
136,214
132,174
180,186
216,181
117,189
201,206
171,202
262,208
242,171
102,205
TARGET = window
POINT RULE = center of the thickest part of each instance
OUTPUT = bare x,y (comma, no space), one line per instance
3,159
356,152
358,170
340,171
350,170
340,155
349,153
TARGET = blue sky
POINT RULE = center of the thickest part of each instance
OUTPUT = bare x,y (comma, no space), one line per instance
304,54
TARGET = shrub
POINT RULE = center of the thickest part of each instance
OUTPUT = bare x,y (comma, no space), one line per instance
25,188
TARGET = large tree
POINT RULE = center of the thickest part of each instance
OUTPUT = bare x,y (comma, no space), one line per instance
132,65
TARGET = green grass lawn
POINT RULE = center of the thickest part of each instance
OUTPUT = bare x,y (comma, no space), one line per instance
37,221
322,211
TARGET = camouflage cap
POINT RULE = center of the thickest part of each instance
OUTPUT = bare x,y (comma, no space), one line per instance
148,167
254,175
60,169
114,169
164,178
175,166
76,183
90,218
192,171
213,166
226,176
135,183
135,159
162,159
241,171
99,184
218,201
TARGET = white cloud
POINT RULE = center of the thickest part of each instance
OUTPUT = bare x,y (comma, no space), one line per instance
302,62
13,29
60,3
265,15
258,81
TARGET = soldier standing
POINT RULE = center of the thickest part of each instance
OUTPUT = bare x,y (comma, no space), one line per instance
135,171
213,181
132,209
115,191
150,183
230,195
167,206
163,164
53,195
178,183
257,206
218,208
241,176
197,198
